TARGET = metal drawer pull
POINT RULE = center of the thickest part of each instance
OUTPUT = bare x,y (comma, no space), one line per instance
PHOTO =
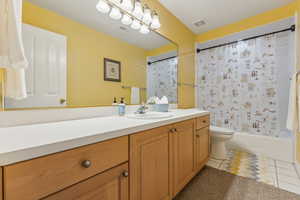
172,130
86,164
125,174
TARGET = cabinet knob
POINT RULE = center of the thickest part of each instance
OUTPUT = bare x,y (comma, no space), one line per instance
125,174
197,135
172,130
175,129
204,121
86,163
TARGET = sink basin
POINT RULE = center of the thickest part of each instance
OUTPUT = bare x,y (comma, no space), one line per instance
150,115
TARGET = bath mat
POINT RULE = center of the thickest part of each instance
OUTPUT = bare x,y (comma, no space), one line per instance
214,184
244,164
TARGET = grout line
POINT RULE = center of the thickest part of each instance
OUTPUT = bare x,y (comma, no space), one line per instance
220,164
276,173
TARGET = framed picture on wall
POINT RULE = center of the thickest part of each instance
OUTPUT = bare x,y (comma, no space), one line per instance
112,70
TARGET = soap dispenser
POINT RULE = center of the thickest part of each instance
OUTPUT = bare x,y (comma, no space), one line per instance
121,107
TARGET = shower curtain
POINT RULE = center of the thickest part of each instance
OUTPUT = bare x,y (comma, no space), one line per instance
162,79
238,85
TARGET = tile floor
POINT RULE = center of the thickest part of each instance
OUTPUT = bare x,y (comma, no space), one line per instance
274,172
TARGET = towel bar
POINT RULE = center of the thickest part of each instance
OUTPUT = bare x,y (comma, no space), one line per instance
129,87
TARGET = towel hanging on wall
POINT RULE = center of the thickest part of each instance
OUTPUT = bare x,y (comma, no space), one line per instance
135,95
12,56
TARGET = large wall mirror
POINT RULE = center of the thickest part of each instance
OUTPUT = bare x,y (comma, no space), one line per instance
81,57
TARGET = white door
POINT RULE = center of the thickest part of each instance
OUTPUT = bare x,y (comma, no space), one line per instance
46,75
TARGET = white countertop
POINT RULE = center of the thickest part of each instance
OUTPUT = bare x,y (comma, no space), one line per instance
22,143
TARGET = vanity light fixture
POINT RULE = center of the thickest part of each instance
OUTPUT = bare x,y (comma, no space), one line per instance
155,21
147,18
103,6
131,12
127,5
138,10
136,25
126,20
144,29
115,13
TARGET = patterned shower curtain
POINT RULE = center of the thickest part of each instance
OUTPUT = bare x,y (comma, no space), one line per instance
237,83
162,79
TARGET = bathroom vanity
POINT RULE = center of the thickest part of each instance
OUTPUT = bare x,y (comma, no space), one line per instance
127,159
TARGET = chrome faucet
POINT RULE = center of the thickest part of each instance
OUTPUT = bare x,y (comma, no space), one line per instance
142,109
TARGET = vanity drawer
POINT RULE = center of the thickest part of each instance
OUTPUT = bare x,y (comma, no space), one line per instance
203,122
37,178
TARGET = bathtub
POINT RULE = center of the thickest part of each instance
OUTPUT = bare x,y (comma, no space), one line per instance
281,148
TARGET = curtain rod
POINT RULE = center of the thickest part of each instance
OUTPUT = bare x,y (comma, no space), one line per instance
292,28
149,63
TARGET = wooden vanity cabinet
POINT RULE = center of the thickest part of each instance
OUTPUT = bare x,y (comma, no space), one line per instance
165,159
150,162
109,185
151,165
37,178
202,147
182,139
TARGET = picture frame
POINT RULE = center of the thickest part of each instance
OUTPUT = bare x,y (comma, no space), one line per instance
112,70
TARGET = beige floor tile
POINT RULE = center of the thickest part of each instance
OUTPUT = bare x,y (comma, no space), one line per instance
289,187
285,165
287,172
214,164
288,179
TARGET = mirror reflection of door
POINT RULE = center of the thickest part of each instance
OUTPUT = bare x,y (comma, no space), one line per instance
46,73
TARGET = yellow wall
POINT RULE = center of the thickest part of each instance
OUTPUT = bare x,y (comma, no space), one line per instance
161,50
86,51
252,22
173,29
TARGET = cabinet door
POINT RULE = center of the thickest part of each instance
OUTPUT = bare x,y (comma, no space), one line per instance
183,154
202,147
109,185
150,165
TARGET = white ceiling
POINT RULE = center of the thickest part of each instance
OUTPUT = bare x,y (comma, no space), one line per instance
217,13
84,12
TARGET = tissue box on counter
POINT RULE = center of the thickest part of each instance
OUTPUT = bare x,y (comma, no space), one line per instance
161,107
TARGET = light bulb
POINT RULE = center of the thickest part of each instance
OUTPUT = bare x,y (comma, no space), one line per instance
115,13
147,18
126,20
103,6
136,24
144,29
127,5
155,22
138,10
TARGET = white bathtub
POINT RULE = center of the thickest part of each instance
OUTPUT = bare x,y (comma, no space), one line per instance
281,148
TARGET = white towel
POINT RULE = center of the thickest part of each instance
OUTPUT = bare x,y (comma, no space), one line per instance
135,95
293,119
15,85
12,56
